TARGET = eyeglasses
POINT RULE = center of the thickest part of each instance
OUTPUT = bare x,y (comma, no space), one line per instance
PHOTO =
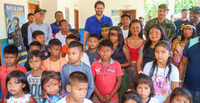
114,34
42,13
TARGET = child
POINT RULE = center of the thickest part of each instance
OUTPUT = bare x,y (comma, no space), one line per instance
144,87
181,95
131,97
75,32
105,31
39,36
165,75
18,89
50,84
10,55
34,76
107,75
75,51
93,43
77,87
54,62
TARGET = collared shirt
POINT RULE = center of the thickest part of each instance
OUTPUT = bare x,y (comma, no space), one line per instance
55,27
93,25
43,27
61,37
178,24
198,29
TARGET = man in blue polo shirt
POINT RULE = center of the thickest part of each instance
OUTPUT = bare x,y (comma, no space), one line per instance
195,17
93,23
190,65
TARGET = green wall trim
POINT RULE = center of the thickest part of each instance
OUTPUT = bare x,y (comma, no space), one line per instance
81,29
4,41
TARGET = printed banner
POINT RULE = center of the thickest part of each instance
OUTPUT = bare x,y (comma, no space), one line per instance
115,12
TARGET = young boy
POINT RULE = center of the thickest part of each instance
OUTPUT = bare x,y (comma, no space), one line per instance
34,76
10,55
62,34
75,52
39,36
54,62
93,43
77,88
107,75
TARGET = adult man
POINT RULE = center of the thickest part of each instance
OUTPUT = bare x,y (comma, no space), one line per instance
24,29
55,26
93,23
182,20
167,25
141,19
126,20
194,17
40,25
150,17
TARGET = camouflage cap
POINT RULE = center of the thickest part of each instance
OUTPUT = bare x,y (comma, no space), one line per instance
164,6
195,9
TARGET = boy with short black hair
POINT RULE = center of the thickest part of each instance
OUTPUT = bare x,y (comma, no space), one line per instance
75,52
93,43
107,75
10,55
54,62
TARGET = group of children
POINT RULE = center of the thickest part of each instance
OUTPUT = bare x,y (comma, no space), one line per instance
64,73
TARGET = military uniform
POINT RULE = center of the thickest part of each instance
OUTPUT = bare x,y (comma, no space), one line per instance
196,9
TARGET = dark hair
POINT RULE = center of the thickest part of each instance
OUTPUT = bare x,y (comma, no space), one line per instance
35,53
184,10
30,14
60,23
72,36
155,66
120,36
94,36
148,41
141,25
131,95
76,33
145,79
181,33
36,43
77,77
16,18
141,18
58,12
46,76
10,49
104,25
36,33
150,16
54,42
178,91
21,77
107,43
99,2
76,44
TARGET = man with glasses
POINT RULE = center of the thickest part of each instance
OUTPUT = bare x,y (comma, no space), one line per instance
40,25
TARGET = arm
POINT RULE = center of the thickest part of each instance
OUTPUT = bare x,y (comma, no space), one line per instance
128,57
90,84
5,100
173,86
182,67
63,82
31,100
23,31
30,39
173,31
85,36
139,63
96,91
173,49
49,35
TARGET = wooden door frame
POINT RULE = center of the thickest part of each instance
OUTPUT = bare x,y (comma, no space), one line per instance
127,10
75,18
30,3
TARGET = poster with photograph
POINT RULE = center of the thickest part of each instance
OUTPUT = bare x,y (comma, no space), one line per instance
15,18
115,12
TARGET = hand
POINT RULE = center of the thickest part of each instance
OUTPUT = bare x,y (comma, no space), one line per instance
101,99
108,98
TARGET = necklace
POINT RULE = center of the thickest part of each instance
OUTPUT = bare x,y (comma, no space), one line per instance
135,44
60,67
38,80
70,68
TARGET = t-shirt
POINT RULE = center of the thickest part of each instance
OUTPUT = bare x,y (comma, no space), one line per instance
64,101
192,52
198,29
162,86
64,50
92,56
3,74
34,85
125,32
61,37
69,68
24,99
152,100
178,24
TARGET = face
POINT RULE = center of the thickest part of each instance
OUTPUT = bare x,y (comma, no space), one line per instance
150,18
35,63
93,42
126,21
130,101
143,90
105,53
40,39
99,9
55,51
34,48
74,55
194,16
141,20
69,41
59,16
10,59
162,54
52,87
15,87
135,28
64,26
180,99
184,14
16,23
104,33
154,35
78,91
114,36
31,19
162,13
40,16
187,31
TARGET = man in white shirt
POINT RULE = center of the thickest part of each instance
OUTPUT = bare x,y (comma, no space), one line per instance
126,20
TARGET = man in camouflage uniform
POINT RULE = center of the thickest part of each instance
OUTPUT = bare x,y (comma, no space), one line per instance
167,25
194,18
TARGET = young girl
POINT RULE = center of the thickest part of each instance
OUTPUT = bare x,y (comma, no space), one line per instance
131,97
144,87
18,88
165,75
146,53
105,31
187,31
181,95
50,84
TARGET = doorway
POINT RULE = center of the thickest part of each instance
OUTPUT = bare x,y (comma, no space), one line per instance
32,7
76,19
132,12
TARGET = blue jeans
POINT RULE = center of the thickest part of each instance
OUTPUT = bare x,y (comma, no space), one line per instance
195,94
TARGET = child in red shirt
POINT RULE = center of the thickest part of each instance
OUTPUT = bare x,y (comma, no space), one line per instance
107,75
10,55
